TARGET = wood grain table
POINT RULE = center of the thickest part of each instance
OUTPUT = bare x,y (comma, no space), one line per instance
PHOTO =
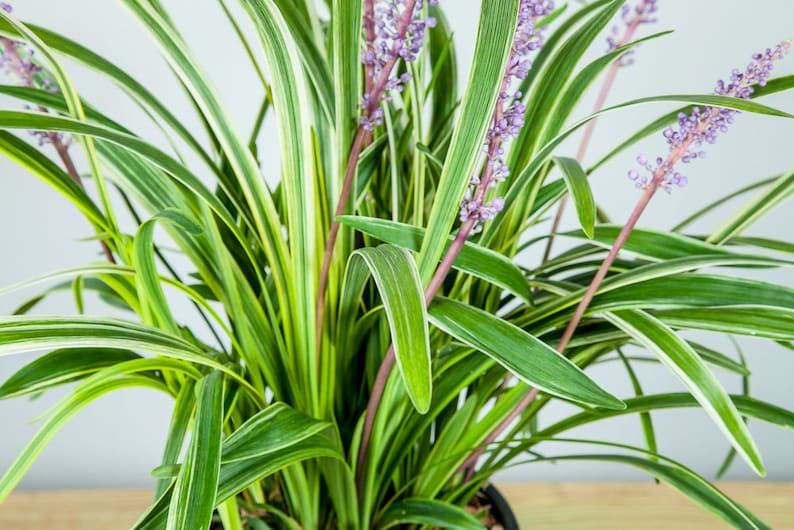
538,506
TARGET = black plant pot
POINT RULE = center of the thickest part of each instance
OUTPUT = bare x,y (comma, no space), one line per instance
500,509
489,495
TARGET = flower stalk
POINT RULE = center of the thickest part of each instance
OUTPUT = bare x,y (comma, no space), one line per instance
26,71
386,45
633,19
701,126
508,118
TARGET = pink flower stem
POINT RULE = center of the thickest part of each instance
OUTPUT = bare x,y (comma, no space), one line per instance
60,148
432,289
376,95
609,81
658,178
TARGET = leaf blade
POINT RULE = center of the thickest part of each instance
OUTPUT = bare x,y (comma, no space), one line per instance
398,282
428,512
579,189
494,41
684,362
197,484
540,366
474,259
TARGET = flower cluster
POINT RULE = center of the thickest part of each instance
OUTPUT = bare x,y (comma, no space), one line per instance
399,34
704,124
508,117
17,59
632,18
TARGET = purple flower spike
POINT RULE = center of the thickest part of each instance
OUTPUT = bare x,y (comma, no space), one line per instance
508,119
17,59
704,124
632,18
399,34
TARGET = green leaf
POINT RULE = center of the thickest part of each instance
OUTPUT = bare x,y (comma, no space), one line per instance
747,406
696,290
167,471
770,323
545,101
77,293
74,104
653,244
578,187
59,367
63,412
193,499
780,191
726,102
520,183
763,242
685,363
773,86
155,309
529,359
42,167
663,284
177,430
311,56
293,113
247,176
574,91
236,476
645,418
400,288
719,359
346,65
476,260
428,512
20,334
492,47
38,121
137,91
270,430
684,480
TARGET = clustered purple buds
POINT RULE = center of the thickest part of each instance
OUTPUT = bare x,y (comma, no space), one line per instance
508,117
17,59
632,18
704,124
26,68
399,34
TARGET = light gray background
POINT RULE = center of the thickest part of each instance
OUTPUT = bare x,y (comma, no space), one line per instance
116,441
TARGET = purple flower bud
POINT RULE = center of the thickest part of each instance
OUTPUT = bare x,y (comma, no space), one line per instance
632,18
508,117
704,124
393,40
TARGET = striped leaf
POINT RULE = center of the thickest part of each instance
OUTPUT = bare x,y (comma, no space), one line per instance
526,357
196,486
684,362
397,278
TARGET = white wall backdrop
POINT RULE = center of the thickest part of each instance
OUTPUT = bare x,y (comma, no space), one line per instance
116,441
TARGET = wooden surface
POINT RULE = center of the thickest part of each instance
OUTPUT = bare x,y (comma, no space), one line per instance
538,506
640,505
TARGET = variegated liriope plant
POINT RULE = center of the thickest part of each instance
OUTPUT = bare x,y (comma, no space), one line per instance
391,240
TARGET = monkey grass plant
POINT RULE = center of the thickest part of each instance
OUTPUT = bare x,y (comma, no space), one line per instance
379,331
